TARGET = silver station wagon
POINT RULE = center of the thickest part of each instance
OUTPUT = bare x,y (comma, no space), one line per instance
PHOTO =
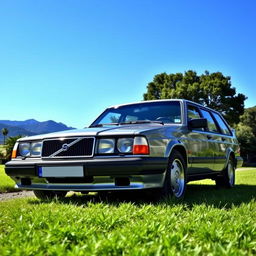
160,145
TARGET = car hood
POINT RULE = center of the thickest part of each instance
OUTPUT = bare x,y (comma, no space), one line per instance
99,131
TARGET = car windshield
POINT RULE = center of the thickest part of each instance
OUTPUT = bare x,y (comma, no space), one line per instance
152,112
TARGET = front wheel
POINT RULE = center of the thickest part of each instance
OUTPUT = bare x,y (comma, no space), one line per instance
228,177
49,194
176,180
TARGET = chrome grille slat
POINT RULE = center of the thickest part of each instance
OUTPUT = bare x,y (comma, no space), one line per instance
75,147
69,145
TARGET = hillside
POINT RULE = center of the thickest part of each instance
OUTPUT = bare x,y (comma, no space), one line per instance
31,127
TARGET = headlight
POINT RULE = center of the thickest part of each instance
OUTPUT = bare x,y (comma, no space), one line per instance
24,149
125,145
106,146
36,148
30,149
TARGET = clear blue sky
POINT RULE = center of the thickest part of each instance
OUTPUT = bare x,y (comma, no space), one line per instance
69,60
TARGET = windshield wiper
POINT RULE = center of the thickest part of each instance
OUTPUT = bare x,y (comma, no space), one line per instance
130,122
101,125
142,122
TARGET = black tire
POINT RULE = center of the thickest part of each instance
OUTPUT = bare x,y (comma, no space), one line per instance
175,183
48,194
227,179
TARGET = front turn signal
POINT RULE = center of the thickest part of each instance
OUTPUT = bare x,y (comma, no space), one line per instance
14,151
140,146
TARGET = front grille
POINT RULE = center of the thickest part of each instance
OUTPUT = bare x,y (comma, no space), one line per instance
68,148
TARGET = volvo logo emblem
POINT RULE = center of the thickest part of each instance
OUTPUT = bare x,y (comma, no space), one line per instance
65,147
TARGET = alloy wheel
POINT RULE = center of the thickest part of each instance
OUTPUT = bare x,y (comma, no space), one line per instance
177,178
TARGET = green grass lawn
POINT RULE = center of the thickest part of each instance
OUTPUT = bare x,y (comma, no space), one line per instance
209,221
6,183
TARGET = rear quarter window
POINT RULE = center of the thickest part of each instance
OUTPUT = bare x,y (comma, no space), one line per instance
223,127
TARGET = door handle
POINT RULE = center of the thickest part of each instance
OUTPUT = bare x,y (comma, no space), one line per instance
209,137
223,139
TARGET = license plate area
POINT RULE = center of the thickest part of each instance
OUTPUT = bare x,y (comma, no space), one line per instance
60,171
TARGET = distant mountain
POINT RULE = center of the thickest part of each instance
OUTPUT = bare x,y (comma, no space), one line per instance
31,127
14,131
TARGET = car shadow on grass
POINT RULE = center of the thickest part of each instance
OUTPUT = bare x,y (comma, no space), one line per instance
195,195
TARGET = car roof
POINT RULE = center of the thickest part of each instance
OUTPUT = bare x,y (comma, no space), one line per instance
145,102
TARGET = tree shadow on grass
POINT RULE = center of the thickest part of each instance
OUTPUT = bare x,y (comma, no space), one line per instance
195,195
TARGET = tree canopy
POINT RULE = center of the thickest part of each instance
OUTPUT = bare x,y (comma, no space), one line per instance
249,119
213,90
246,133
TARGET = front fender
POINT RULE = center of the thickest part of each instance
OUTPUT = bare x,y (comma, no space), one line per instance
176,144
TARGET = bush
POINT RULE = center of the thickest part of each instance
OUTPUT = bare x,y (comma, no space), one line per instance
10,142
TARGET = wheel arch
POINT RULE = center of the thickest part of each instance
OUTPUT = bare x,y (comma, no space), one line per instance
180,147
230,154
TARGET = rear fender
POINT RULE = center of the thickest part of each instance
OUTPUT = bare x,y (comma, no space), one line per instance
230,153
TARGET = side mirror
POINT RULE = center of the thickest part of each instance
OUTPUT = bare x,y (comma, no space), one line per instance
197,123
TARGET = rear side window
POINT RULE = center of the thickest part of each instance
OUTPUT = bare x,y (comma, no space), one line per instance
224,128
211,124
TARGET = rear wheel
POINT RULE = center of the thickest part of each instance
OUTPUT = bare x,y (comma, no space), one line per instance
175,181
49,194
228,177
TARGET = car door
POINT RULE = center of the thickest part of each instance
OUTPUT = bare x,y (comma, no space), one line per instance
200,147
216,144
224,142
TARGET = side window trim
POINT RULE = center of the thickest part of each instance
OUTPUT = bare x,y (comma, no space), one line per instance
216,124
194,106
199,108
223,120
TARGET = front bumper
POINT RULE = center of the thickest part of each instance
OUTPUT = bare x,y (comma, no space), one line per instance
124,173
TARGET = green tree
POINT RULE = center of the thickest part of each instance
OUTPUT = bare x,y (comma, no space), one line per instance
5,133
249,118
209,89
246,134
10,142
2,156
